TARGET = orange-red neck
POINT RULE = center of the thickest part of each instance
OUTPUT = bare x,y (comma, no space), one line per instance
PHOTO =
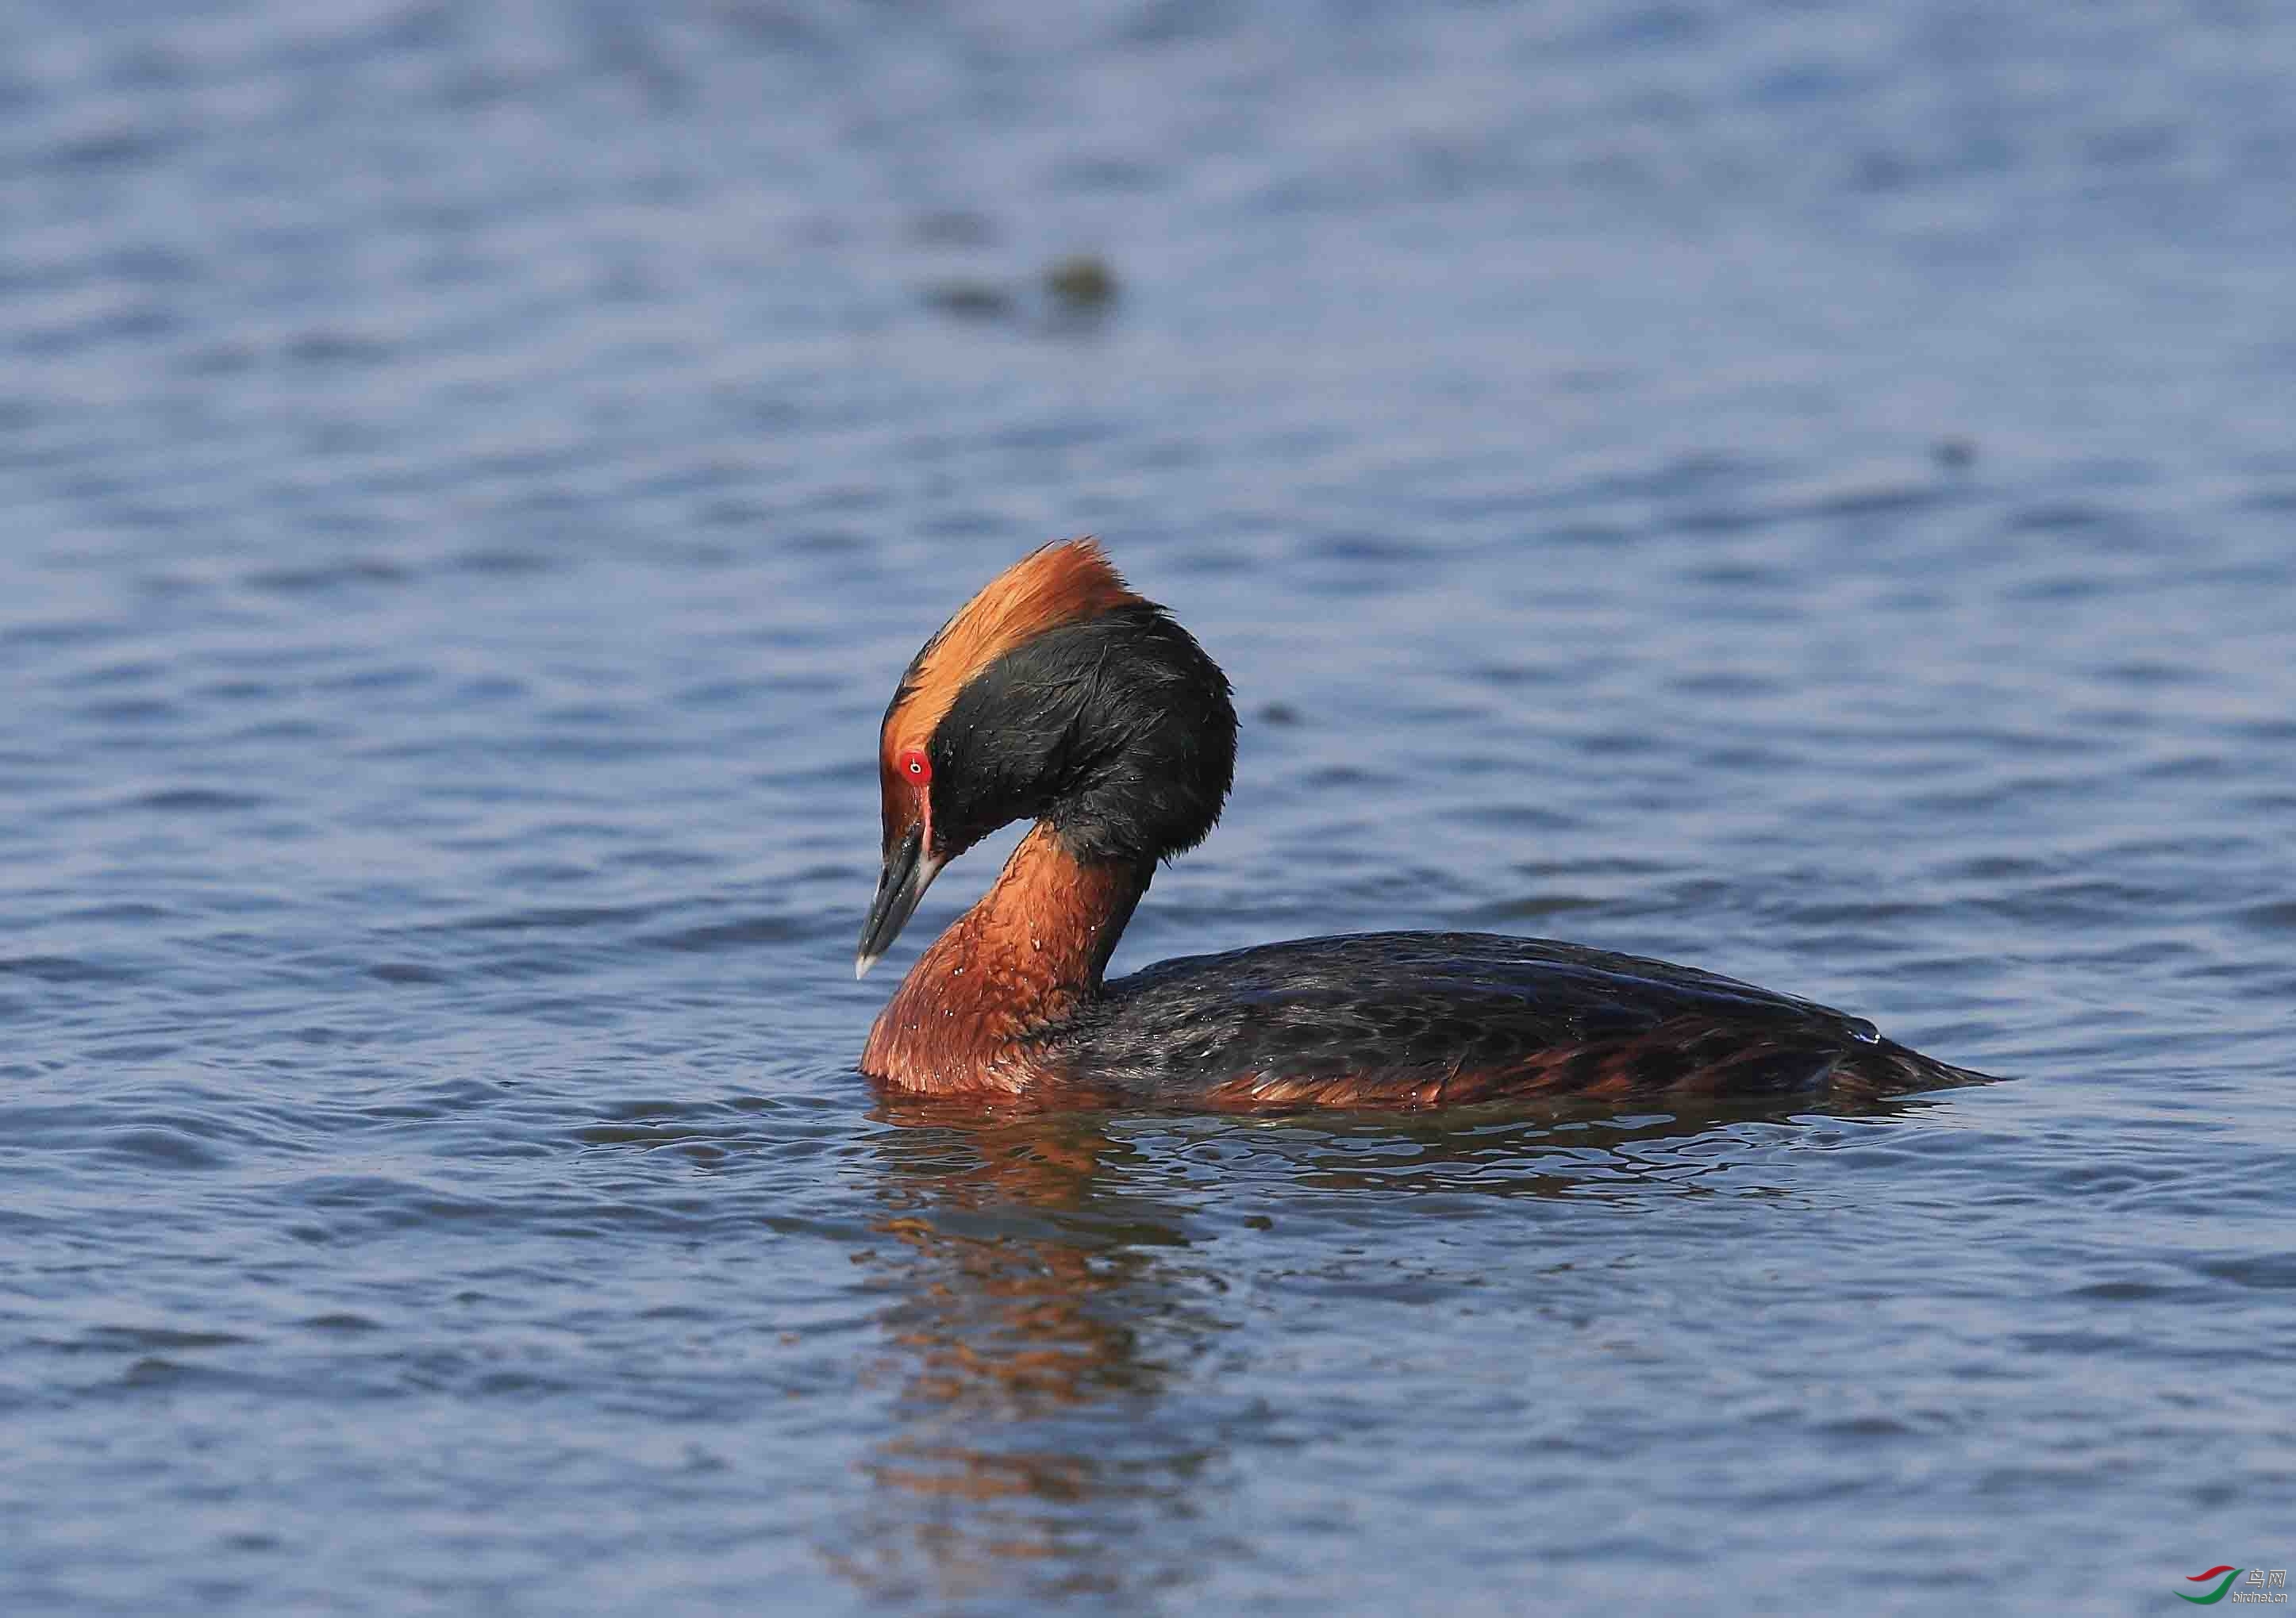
1030,953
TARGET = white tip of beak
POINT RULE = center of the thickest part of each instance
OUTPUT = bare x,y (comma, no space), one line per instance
862,964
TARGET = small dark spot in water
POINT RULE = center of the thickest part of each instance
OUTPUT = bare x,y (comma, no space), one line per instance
1084,283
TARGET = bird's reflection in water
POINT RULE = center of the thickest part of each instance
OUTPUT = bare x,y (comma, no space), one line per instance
1048,1320
1040,1306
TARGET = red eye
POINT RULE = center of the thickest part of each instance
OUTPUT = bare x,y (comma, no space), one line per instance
914,764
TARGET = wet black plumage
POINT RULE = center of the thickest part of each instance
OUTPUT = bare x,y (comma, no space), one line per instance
1117,730
1465,1016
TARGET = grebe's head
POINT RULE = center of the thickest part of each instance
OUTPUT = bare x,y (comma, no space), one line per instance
1056,695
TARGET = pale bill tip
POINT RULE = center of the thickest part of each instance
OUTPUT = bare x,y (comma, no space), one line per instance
862,964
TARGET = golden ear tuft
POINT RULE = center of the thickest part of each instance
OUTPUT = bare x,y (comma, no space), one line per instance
1062,582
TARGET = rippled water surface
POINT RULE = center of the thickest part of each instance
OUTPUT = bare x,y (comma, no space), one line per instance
1803,489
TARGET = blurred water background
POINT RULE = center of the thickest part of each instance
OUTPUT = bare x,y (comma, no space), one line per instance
1801,488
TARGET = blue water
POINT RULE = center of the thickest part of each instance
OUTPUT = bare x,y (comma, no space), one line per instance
1806,490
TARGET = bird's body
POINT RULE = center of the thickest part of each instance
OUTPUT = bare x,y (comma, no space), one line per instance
1058,696
1432,1019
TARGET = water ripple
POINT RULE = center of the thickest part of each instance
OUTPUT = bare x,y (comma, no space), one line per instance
475,481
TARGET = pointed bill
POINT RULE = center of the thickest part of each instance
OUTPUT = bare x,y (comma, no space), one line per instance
907,873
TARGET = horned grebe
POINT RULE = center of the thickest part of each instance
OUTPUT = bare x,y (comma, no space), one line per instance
1058,696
